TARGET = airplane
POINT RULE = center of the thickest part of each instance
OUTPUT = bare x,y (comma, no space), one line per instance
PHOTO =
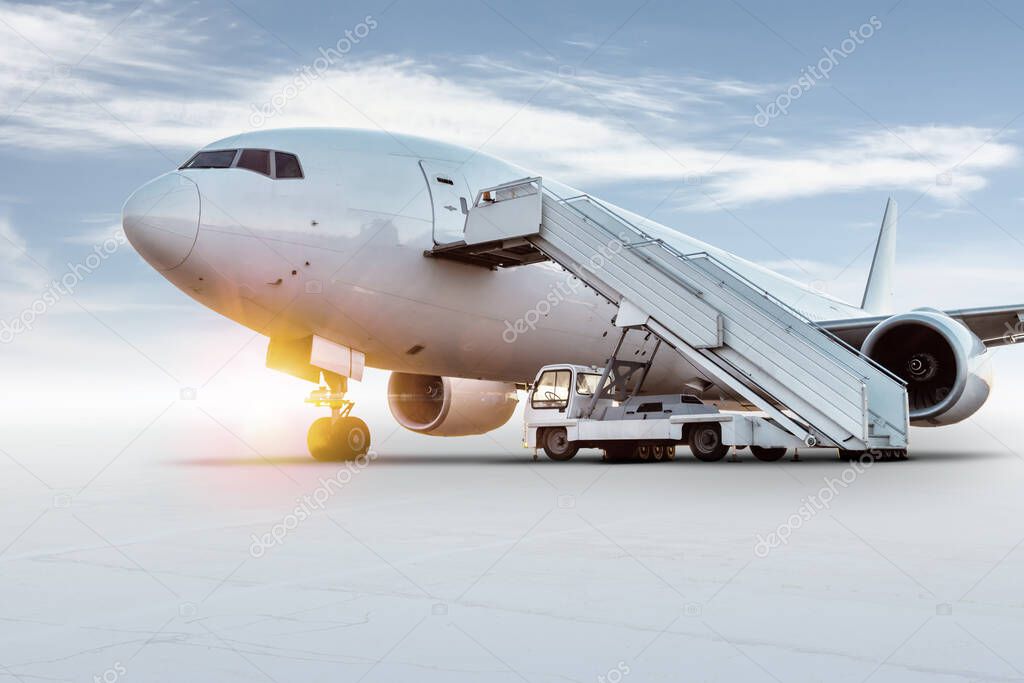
318,238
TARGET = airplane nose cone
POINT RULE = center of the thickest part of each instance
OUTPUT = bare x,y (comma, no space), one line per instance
161,220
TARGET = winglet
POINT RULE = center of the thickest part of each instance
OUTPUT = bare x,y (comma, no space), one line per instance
878,293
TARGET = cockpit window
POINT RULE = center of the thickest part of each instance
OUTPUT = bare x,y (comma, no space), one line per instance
216,159
287,165
257,160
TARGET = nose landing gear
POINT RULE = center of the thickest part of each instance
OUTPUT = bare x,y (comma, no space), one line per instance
341,436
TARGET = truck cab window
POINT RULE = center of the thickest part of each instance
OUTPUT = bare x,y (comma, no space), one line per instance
586,383
552,390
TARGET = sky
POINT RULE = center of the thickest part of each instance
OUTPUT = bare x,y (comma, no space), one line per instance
775,130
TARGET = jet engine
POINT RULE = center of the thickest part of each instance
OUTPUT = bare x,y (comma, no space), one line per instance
448,406
946,367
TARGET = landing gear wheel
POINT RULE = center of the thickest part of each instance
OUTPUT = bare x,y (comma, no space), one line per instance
346,438
353,436
643,452
706,442
768,454
658,452
319,439
557,445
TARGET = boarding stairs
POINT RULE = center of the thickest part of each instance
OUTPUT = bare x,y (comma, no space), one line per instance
738,335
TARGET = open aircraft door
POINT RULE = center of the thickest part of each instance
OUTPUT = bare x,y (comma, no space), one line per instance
450,199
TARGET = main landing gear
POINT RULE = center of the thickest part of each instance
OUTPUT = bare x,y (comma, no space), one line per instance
341,436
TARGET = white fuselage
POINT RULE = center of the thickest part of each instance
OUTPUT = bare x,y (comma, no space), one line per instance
340,253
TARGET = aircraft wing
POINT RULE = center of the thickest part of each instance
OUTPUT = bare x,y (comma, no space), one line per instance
994,325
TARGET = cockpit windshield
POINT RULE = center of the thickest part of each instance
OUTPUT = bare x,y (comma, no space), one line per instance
221,158
266,162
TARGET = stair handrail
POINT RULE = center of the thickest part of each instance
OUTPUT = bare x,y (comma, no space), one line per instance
729,269
647,237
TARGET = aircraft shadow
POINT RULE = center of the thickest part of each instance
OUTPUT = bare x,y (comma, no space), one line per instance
383,460
506,460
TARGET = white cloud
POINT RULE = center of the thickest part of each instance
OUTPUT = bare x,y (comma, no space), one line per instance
27,274
640,95
17,273
96,235
590,128
915,158
970,277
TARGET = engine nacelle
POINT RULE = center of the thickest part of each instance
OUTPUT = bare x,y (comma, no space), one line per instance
446,406
946,367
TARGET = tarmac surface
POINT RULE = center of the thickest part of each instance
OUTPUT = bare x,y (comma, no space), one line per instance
490,566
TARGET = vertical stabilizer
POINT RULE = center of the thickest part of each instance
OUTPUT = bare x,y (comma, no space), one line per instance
878,293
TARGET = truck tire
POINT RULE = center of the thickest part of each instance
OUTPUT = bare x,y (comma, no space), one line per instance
706,442
557,445
767,454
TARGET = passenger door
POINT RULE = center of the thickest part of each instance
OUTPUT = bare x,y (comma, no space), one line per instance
449,198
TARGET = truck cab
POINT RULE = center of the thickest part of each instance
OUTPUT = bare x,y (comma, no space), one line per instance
560,392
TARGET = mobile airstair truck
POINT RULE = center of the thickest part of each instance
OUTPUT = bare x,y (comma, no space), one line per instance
575,406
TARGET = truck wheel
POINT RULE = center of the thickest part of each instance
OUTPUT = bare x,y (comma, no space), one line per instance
888,454
850,456
767,454
706,442
557,445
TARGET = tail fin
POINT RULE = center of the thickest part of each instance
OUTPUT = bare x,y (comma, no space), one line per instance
878,293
